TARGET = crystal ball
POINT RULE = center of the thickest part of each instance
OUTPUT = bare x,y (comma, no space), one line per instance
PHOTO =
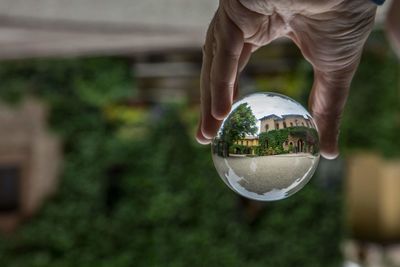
267,148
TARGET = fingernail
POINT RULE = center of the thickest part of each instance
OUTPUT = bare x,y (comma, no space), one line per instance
203,141
200,137
220,112
329,156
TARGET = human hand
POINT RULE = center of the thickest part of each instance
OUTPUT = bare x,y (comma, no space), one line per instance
393,26
329,33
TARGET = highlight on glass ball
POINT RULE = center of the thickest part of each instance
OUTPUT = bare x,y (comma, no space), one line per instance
267,148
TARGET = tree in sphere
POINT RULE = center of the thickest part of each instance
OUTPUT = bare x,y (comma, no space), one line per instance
240,122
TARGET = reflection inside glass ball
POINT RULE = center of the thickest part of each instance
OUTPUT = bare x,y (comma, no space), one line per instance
267,148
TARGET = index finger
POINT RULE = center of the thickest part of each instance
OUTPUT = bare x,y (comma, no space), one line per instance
208,125
225,66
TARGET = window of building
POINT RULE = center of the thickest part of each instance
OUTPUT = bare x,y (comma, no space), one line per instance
266,127
291,124
284,124
277,125
9,189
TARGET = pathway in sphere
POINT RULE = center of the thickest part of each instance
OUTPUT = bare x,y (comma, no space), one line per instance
266,173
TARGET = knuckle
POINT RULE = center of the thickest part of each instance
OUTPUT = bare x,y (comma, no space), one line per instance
231,50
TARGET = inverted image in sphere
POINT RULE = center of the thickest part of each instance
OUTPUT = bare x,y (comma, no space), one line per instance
267,148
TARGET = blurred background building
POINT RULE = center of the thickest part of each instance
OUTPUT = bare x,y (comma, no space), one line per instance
113,86
29,162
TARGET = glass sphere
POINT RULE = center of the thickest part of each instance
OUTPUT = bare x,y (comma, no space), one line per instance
267,148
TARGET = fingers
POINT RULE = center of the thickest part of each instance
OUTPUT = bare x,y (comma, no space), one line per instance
243,60
221,55
229,44
208,124
201,139
245,56
327,100
334,49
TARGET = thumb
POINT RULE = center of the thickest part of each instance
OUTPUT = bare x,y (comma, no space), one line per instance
327,100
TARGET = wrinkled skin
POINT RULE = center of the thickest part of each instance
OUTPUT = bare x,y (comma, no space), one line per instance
330,34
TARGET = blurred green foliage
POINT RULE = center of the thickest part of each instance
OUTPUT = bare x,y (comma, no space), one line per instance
372,116
152,201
